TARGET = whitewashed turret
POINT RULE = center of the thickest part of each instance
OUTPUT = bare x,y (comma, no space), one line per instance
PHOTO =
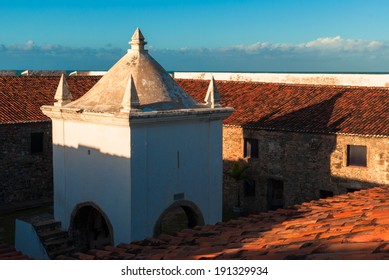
62,95
121,154
212,98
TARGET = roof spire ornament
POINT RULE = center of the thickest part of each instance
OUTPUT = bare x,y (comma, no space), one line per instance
138,41
130,100
212,98
62,95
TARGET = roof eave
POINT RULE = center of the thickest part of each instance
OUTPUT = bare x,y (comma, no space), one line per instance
307,131
135,116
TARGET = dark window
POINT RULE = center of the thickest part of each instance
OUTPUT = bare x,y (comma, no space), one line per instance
325,194
349,190
249,188
356,155
36,143
250,147
178,196
275,195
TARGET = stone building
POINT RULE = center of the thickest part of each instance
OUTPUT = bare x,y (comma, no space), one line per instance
129,155
26,176
301,142
304,133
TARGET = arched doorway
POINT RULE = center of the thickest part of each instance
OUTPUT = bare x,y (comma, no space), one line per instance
178,216
90,227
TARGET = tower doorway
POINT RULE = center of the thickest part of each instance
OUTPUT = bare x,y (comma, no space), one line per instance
90,228
180,215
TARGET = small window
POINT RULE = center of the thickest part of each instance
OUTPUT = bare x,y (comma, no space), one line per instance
249,188
36,143
325,194
275,194
251,148
356,155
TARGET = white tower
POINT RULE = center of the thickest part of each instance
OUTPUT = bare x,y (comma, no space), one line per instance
132,147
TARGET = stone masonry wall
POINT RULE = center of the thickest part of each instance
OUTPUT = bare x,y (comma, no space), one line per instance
376,171
232,151
306,164
25,177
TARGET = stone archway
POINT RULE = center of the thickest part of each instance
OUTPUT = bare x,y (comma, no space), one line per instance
178,216
90,228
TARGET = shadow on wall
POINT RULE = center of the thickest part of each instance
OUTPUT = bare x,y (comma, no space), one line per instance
95,194
297,157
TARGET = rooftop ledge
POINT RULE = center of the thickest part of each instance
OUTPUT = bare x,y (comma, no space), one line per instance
135,116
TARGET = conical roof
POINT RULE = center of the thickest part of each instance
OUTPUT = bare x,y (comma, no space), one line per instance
156,89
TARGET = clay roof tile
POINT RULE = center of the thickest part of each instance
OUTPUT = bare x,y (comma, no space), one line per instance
22,96
295,107
297,235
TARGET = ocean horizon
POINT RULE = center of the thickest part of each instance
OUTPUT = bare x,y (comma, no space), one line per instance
19,72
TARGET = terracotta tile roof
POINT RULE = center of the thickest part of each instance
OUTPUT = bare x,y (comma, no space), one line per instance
310,108
8,252
349,226
21,97
290,107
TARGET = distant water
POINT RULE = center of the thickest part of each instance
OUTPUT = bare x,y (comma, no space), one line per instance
19,72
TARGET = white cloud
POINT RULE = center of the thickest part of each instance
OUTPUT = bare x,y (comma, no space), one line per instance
54,56
29,45
322,54
327,44
30,48
260,46
340,44
331,54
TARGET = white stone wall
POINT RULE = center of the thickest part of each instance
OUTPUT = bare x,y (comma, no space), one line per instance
183,157
132,174
92,164
370,80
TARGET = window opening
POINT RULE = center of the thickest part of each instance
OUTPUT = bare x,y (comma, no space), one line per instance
251,148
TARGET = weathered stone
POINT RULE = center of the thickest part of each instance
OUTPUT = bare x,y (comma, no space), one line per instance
307,163
26,177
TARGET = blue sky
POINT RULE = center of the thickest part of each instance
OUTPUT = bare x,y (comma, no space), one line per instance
244,35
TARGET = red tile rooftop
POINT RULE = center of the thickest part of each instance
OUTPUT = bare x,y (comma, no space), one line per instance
301,108
269,106
349,226
8,252
21,97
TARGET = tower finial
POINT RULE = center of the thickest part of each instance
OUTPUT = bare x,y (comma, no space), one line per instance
62,95
138,41
212,98
130,100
